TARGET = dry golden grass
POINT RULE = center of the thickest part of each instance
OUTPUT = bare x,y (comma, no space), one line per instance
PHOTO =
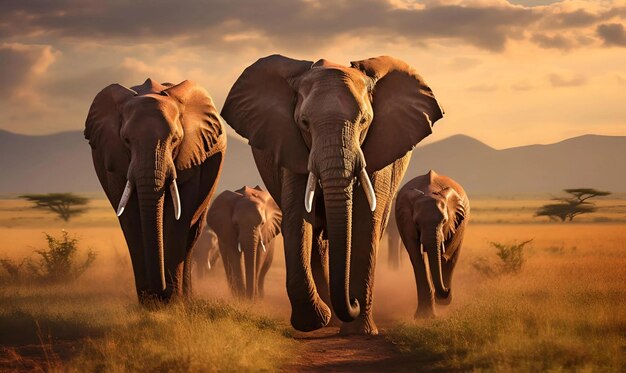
564,311
95,323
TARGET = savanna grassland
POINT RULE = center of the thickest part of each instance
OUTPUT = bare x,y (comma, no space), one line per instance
563,311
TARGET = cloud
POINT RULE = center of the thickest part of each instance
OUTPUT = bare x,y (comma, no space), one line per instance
557,80
486,24
554,41
21,65
613,34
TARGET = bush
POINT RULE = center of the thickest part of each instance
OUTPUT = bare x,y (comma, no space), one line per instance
511,259
13,269
58,263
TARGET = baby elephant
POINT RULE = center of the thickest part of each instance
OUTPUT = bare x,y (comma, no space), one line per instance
431,212
246,222
206,252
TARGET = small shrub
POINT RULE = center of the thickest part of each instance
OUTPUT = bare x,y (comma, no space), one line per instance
511,255
511,259
58,263
12,269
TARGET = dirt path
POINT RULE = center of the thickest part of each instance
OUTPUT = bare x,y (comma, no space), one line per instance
326,351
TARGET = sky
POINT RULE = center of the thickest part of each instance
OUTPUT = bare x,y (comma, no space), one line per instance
508,73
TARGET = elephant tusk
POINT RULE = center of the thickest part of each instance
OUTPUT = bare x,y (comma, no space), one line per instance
175,198
239,247
368,188
261,241
443,248
310,191
125,197
421,249
208,263
365,181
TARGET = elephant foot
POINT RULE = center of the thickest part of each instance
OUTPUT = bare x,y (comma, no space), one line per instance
363,325
425,313
444,301
307,317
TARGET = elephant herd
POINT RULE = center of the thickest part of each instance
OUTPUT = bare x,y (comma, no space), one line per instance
331,143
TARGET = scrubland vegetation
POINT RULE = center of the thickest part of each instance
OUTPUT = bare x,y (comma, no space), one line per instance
561,309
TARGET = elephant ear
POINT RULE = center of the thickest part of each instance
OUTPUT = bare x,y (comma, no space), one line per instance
260,107
405,109
457,210
103,124
203,127
273,219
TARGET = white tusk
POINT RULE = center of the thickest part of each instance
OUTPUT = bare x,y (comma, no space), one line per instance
421,249
239,247
262,244
364,179
443,248
310,191
125,197
175,198
368,188
208,263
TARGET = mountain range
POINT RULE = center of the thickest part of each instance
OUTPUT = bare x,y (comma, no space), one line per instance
62,162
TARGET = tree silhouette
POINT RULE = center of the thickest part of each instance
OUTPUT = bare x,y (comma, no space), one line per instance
66,205
570,207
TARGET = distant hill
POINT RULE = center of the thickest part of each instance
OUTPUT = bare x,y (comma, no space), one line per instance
586,161
62,162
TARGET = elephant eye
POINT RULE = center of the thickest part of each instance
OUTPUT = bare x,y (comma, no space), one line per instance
305,122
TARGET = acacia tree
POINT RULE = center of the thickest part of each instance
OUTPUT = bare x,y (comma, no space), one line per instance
570,207
66,205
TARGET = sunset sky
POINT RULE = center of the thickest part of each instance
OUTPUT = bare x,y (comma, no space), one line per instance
507,72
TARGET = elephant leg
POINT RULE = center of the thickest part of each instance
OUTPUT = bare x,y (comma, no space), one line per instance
308,311
267,259
134,241
319,269
425,289
192,238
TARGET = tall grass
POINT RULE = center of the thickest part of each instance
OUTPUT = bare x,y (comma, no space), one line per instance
557,314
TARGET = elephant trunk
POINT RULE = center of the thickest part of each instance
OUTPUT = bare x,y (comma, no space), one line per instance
337,178
433,246
151,199
249,245
150,179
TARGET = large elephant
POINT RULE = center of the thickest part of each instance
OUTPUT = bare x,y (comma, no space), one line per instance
246,222
206,252
157,150
432,212
335,124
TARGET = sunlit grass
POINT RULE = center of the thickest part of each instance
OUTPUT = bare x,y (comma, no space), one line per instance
562,312
114,335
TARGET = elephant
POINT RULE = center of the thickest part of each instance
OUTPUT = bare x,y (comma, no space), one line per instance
206,252
157,150
315,128
246,222
394,242
432,212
